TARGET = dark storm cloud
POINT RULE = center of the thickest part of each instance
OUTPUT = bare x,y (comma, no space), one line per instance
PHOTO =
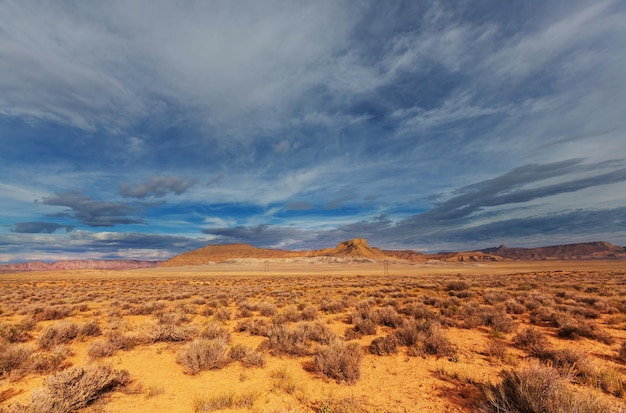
39,227
91,212
157,186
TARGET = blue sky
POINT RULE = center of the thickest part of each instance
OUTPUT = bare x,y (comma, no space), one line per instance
141,129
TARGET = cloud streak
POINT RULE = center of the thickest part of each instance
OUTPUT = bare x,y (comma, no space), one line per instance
39,227
91,212
157,186
293,124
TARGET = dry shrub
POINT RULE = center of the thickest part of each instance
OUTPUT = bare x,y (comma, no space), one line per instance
496,349
223,314
52,313
419,311
76,388
238,352
171,317
100,348
203,354
227,400
437,344
65,332
215,330
309,313
254,327
55,334
289,314
13,356
17,333
332,306
91,329
155,333
267,309
383,346
48,362
296,340
339,405
514,307
386,316
498,320
284,381
574,330
622,351
424,337
122,341
531,339
365,327
147,308
339,361
536,389
607,379
253,359
458,285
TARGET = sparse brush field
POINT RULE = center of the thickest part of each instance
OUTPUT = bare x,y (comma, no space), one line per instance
446,340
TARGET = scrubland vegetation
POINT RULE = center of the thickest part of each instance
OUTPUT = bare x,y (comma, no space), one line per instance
526,342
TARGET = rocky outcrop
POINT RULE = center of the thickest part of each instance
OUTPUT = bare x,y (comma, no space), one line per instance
225,252
580,251
356,248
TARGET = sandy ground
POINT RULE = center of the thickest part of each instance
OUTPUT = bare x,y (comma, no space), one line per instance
396,383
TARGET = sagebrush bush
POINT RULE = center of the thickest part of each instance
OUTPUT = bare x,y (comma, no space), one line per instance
76,388
254,327
296,340
55,334
100,348
223,314
13,356
157,332
309,313
622,351
215,330
17,333
267,309
576,329
339,361
48,361
537,389
203,354
383,346
52,313
386,316
227,400
531,339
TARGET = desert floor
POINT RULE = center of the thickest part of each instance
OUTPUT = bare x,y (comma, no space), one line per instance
297,337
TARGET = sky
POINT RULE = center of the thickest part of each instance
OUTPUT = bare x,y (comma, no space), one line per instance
140,129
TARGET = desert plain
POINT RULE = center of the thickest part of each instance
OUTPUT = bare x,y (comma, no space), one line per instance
303,336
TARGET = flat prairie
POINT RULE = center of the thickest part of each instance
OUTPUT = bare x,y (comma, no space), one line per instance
303,336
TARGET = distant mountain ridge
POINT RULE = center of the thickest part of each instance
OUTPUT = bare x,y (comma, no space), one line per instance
580,251
78,265
355,250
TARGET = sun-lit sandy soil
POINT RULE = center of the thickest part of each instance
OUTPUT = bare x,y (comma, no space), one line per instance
456,327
